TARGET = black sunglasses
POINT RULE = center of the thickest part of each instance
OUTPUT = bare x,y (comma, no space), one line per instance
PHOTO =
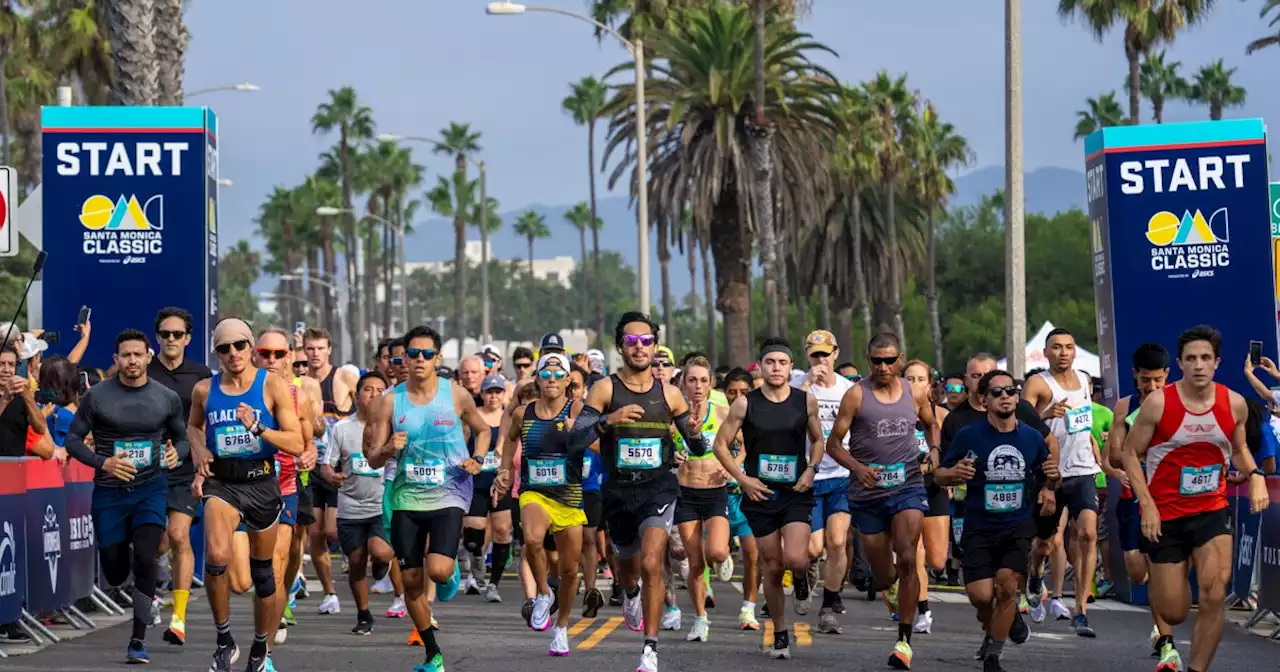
416,353
166,335
884,360
1006,391
225,348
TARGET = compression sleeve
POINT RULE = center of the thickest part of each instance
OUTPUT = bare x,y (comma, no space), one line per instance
586,430
75,445
693,439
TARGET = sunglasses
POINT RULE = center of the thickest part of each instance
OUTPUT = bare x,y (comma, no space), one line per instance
546,374
299,366
166,335
419,353
225,348
853,377
954,388
524,365
397,361
489,364
886,361
664,365
268,353
643,340
1006,391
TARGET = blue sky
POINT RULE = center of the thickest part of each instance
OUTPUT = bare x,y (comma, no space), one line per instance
420,64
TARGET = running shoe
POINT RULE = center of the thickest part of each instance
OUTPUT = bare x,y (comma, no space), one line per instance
526,611
648,660
890,597
725,571
1154,640
1170,661
436,664
299,588
747,619
470,587
540,618
491,593
288,617
591,603
992,664
838,605
786,579
616,595
224,657
329,605
982,650
415,639
1024,605
827,622
256,663
448,590
1104,588
671,618
271,666
435,625
382,586
1059,610
800,595
397,608
900,659
155,611
137,653
781,649
176,633
698,631
363,627
1019,632
1081,624
923,624
559,642
633,611
282,633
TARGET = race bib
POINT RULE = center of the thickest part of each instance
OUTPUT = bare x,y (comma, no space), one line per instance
429,473
234,441
1079,419
360,466
640,453
891,475
547,472
778,468
491,462
957,529
137,453
1003,497
921,443
1199,480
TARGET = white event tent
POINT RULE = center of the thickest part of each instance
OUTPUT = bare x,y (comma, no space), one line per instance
1085,361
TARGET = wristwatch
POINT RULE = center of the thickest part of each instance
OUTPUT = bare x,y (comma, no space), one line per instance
1258,471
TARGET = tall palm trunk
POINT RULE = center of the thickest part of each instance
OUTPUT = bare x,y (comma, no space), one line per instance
1157,109
131,32
171,45
371,283
329,314
760,151
709,303
357,320
582,295
293,286
532,283
1215,110
664,271
824,293
1135,80
595,232
842,324
317,290
460,258
484,267
388,248
732,250
859,267
895,275
931,293
691,249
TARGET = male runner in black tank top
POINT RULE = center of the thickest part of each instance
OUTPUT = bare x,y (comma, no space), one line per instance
631,413
776,477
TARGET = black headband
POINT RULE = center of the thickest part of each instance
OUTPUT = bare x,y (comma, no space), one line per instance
777,347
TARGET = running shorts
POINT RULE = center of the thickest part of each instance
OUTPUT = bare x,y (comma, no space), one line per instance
289,510
306,512
830,496
738,526
258,501
1129,523
592,505
415,534
989,551
117,512
631,510
181,499
482,503
784,507
1180,537
323,495
562,516
876,517
1075,494
354,534
939,500
698,504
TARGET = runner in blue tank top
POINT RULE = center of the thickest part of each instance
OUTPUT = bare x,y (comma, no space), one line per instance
245,415
421,425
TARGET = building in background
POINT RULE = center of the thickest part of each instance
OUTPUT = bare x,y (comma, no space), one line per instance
555,269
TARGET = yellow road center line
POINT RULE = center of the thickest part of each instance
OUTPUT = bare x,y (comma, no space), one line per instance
581,625
601,632
803,636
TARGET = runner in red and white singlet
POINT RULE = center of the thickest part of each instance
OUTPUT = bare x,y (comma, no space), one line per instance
1187,433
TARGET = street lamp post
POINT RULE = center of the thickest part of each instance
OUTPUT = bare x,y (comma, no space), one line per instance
642,141
1015,263
243,87
330,211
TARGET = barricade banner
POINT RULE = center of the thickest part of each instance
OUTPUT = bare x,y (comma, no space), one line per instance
82,553
1244,547
47,528
13,580
1269,595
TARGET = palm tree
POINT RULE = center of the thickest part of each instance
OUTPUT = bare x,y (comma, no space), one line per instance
940,149
1160,82
532,226
459,141
760,146
131,32
317,191
276,226
581,218
171,45
453,197
585,105
698,116
1213,87
1102,112
491,221
895,127
1270,40
354,123
1146,23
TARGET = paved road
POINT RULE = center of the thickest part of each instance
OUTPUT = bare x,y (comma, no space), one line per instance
481,637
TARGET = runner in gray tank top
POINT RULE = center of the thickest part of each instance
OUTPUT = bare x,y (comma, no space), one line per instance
887,492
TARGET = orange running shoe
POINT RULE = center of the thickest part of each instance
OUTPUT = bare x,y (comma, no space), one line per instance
414,638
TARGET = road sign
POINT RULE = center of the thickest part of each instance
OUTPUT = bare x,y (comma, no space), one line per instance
8,212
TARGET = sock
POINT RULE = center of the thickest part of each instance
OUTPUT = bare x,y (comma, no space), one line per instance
364,616
749,605
829,598
651,643
429,643
922,607
180,604
259,647
995,647
224,633
904,632
501,554
141,614
633,593
781,640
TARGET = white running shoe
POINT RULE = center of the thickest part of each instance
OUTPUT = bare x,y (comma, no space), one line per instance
282,634
469,587
698,631
924,623
397,608
155,611
559,642
329,605
383,586
633,610
1059,610
491,593
725,571
648,660
540,619
1037,613
671,618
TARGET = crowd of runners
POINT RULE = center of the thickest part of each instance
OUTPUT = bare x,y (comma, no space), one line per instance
430,484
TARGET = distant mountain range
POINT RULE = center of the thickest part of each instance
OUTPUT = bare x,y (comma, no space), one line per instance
1048,190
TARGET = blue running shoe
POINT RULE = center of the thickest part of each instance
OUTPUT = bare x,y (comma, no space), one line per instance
436,664
137,653
446,591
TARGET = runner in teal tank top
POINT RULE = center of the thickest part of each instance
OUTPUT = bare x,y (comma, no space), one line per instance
420,426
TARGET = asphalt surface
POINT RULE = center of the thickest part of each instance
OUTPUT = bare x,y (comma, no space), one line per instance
478,636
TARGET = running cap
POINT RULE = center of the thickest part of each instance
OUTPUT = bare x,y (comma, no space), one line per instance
30,346
664,353
492,351
820,341
551,342
595,360
549,357
232,330
493,382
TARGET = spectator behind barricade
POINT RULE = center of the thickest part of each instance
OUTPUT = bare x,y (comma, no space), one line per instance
22,424
59,396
